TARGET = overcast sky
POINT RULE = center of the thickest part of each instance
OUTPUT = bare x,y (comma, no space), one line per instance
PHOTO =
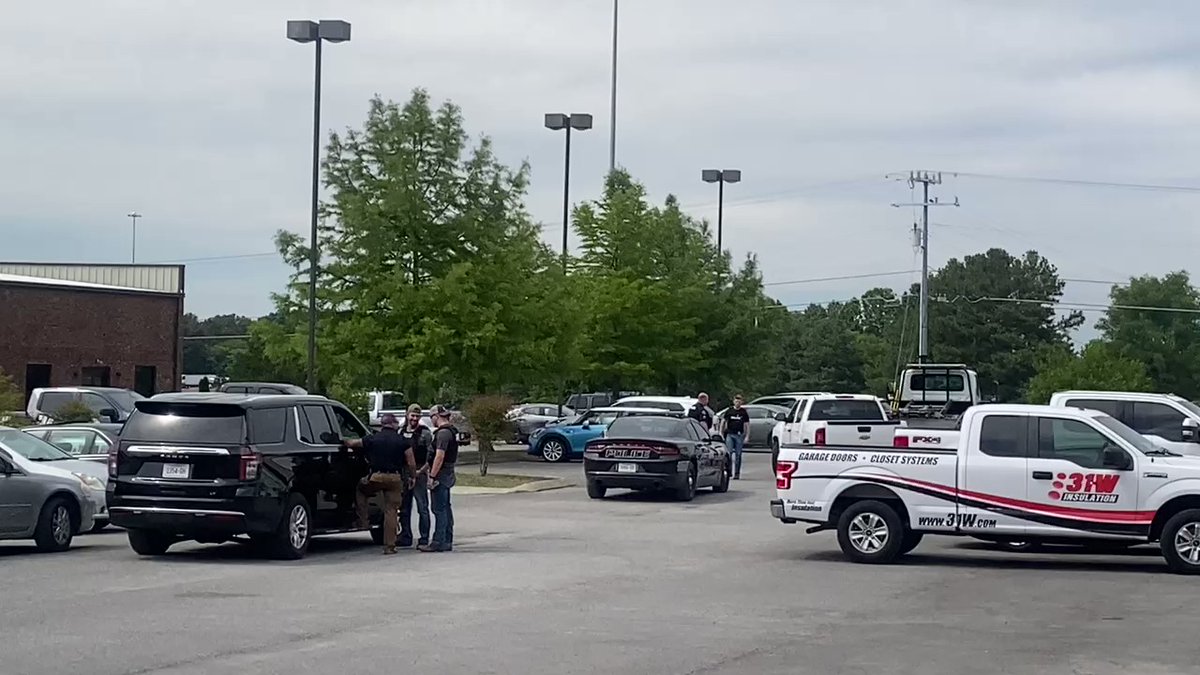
198,115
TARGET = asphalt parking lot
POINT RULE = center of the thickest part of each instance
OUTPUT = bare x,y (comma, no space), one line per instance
553,582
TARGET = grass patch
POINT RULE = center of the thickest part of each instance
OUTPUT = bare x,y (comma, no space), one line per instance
493,480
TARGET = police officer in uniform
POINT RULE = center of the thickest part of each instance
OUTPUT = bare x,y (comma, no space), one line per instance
420,443
387,456
701,412
441,479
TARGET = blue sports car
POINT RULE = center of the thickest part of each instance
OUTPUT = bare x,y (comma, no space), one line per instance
565,440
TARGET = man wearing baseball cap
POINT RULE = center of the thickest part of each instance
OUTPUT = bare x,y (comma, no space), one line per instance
420,442
441,479
387,455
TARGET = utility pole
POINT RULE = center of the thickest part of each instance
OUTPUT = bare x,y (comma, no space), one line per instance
925,178
612,113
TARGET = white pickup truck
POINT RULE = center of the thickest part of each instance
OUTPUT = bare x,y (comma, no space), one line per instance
834,419
1013,473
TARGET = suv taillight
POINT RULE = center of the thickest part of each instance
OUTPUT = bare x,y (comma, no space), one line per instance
819,437
248,466
113,453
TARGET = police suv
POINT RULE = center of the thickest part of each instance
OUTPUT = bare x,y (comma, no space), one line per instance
1012,473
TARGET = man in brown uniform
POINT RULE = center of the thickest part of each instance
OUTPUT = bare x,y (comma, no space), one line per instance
388,453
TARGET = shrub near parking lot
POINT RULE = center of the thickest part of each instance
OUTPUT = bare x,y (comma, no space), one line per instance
488,415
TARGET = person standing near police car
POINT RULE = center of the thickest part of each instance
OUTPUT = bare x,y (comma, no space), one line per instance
701,412
420,442
388,455
441,479
735,423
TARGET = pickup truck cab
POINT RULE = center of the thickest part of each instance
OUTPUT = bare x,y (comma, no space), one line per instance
935,390
1169,421
1012,473
834,419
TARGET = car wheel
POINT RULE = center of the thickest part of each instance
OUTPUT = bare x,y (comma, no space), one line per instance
723,484
554,450
55,526
291,539
687,491
911,541
1180,542
147,542
870,532
596,490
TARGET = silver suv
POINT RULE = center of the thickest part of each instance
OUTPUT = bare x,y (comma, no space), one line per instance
42,502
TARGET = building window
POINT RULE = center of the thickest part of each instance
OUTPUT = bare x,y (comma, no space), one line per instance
95,376
145,380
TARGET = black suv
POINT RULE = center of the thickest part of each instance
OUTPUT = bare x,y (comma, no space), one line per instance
209,466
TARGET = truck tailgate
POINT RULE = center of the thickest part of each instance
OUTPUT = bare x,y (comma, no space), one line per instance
854,432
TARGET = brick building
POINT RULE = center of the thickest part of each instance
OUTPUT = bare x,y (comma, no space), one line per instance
93,325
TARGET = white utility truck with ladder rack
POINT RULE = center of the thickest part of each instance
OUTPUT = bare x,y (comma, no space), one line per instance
1012,473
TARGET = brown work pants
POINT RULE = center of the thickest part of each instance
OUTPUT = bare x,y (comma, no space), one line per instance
392,487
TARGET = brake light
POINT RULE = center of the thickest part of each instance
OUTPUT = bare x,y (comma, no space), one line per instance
783,474
112,461
666,450
899,441
248,466
819,437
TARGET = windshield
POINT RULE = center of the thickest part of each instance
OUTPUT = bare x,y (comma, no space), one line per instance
639,426
1189,406
931,382
596,418
124,399
1128,435
391,401
31,447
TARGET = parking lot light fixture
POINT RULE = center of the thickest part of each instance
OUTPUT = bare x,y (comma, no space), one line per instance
563,122
721,177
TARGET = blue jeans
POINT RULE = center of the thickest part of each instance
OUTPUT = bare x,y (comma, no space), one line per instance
735,442
419,494
443,513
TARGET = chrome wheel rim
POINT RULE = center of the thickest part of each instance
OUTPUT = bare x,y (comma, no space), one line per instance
298,526
552,450
60,525
868,533
1187,543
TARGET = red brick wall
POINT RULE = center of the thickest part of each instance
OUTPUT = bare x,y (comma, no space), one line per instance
73,328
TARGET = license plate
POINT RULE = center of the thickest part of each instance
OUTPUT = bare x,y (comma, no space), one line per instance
626,468
176,470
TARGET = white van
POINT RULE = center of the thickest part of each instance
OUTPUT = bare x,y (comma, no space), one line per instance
1167,420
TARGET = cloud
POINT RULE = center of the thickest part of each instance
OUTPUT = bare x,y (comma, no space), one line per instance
198,113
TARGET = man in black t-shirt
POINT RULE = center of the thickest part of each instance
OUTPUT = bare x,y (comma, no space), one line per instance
420,441
735,423
387,454
441,479
701,412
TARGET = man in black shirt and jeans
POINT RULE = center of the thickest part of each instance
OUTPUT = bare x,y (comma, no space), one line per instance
387,454
736,425
420,442
441,479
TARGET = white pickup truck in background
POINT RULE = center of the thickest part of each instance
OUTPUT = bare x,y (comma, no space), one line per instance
1012,473
834,419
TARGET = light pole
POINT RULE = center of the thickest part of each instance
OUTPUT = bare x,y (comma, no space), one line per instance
612,130
721,177
133,215
318,32
557,122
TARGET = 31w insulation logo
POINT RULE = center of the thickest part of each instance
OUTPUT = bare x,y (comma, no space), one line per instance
1092,488
963,520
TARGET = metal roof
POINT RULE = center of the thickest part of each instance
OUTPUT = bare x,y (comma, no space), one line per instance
167,279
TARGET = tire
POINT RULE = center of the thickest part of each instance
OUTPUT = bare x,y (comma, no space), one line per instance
553,449
148,542
687,491
723,484
1019,546
290,541
1180,542
596,490
871,532
911,541
55,526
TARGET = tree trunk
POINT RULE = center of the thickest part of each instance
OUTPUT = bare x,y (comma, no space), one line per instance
485,454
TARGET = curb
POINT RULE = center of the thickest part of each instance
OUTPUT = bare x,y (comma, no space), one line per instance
532,486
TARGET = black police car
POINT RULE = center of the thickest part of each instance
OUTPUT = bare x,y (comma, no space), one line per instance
209,466
655,452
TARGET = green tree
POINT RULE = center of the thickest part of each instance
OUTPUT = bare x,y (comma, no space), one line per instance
996,312
488,414
433,277
1167,342
1099,366
819,351
12,402
204,357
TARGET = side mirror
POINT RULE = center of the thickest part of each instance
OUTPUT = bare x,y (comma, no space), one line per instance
1191,430
780,417
1116,458
110,414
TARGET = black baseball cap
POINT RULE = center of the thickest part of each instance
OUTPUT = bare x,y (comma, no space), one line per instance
439,410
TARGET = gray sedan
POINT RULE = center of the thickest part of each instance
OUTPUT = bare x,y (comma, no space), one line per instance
529,417
762,420
40,501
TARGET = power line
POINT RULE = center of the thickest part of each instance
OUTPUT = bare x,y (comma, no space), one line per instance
845,277
219,257
1078,182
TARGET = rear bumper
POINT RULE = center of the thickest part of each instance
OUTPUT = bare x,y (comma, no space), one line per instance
649,476
777,512
242,515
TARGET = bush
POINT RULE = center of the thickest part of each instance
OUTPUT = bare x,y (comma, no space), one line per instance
75,411
488,414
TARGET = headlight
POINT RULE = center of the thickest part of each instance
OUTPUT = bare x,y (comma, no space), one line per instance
90,482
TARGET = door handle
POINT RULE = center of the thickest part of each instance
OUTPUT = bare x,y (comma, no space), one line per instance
1043,475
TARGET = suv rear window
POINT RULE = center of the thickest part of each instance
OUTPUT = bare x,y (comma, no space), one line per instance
170,422
937,383
845,409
